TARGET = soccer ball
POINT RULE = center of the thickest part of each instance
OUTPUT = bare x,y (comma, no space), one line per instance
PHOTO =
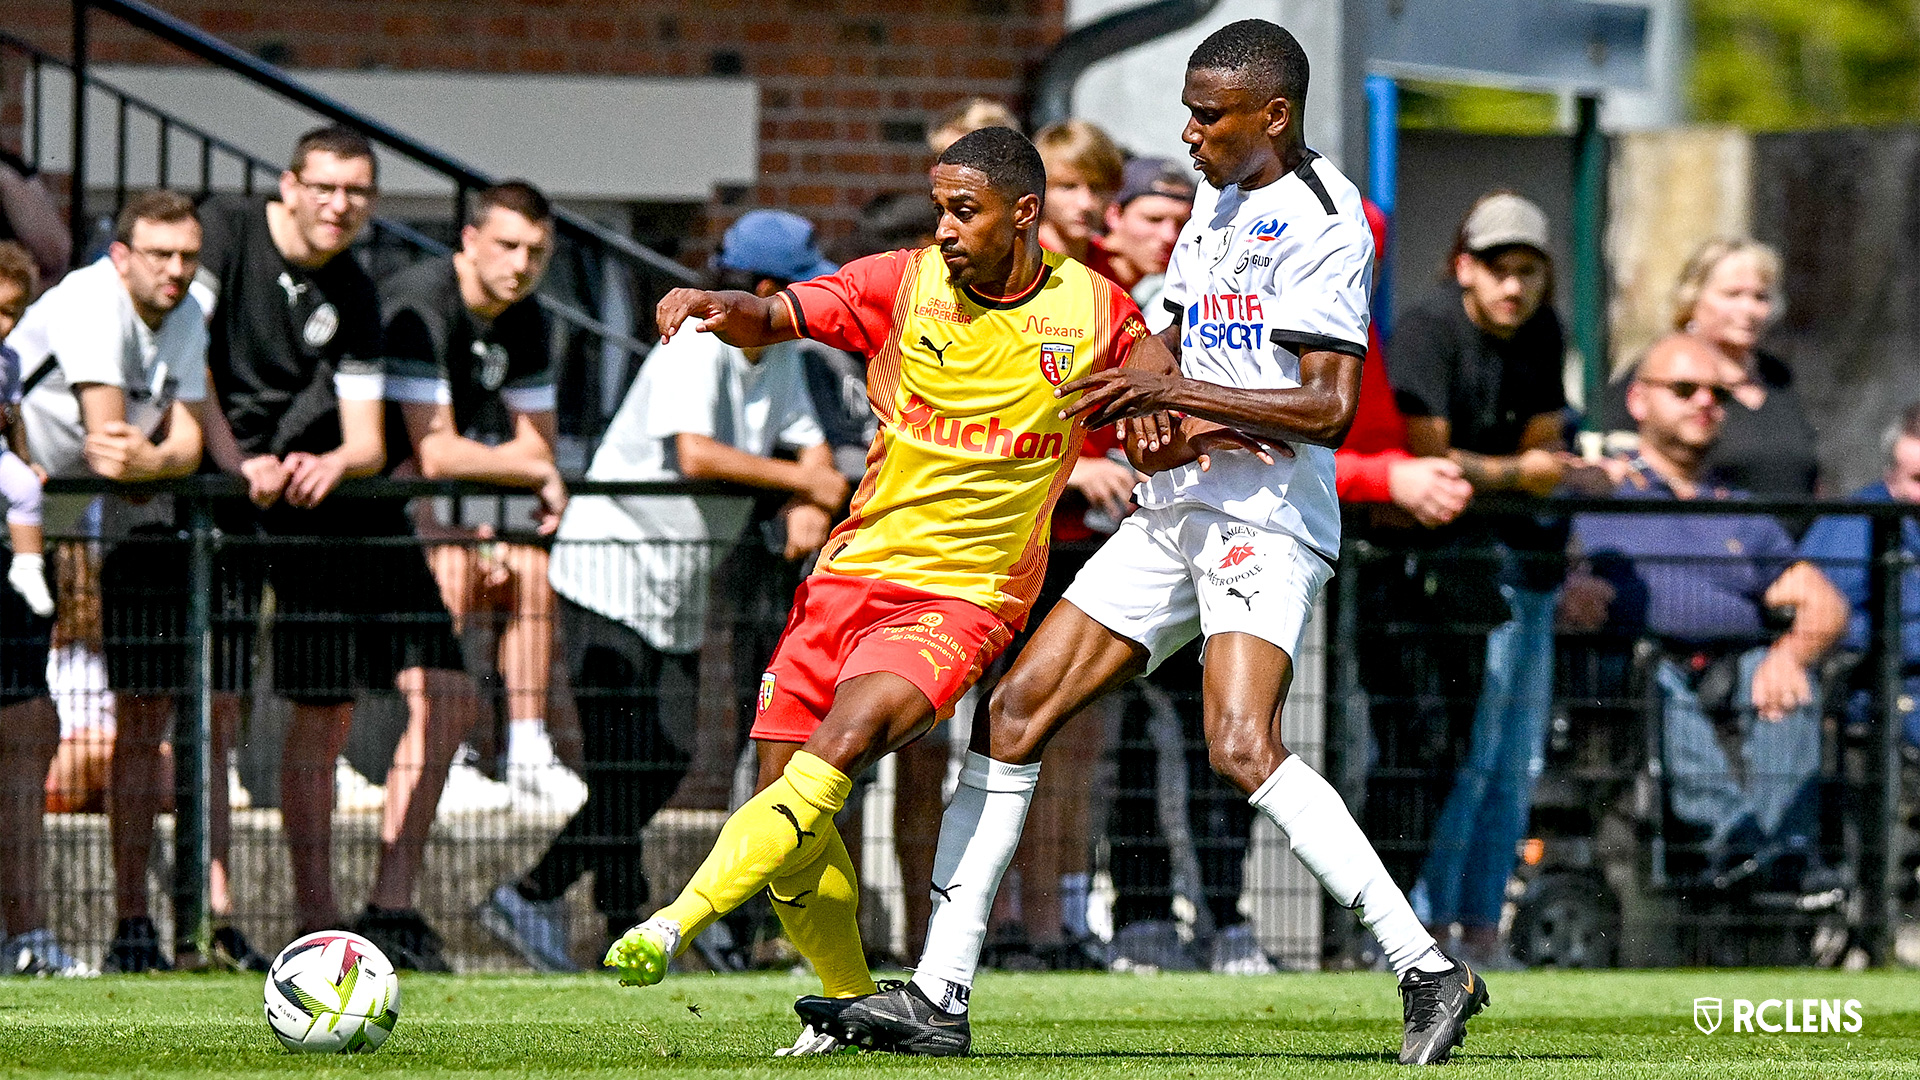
332,993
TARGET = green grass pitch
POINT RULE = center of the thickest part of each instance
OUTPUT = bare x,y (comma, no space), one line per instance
1575,1024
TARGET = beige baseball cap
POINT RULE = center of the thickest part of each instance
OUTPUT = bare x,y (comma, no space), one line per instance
1505,219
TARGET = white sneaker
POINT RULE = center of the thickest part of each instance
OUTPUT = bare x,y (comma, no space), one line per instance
1235,951
541,784
353,793
469,791
239,798
28,576
1151,946
37,953
537,931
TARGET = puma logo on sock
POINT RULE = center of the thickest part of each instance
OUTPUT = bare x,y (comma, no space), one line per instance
946,893
794,901
799,834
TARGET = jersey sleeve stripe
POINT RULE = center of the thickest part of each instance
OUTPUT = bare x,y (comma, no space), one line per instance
1312,180
1178,311
794,314
1302,342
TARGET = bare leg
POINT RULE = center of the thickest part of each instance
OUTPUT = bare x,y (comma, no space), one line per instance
1245,684
441,706
135,795
77,781
920,770
314,738
29,735
226,727
526,643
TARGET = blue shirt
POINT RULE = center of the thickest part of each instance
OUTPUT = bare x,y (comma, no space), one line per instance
1841,546
1693,578
9,377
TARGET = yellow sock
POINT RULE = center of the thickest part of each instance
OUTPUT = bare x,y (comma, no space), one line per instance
819,904
777,831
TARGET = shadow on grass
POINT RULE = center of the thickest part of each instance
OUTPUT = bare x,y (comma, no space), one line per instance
1383,1057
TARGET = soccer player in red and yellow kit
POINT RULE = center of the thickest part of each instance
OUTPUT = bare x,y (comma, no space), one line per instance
945,544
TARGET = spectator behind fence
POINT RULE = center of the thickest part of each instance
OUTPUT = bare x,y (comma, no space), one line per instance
118,355
1476,369
1842,546
970,115
468,360
295,356
1702,587
19,483
29,727
632,574
1083,175
1727,296
30,217
1143,222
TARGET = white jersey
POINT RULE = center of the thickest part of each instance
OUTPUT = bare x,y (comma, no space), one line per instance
1258,278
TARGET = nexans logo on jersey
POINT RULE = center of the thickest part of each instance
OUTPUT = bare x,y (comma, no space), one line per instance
1224,321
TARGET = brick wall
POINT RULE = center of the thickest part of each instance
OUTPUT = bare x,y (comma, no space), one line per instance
846,86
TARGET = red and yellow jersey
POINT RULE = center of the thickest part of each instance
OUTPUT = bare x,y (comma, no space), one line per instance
968,462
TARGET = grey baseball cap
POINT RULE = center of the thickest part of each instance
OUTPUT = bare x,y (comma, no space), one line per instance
1503,220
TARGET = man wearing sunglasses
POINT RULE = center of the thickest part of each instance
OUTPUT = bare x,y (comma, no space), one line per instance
1702,587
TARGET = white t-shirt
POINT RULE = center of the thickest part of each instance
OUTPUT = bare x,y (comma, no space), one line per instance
654,574
88,326
1257,278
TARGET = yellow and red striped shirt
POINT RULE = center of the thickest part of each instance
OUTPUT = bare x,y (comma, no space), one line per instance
971,454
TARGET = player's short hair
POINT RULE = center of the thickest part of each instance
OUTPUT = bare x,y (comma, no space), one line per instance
1004,157
1263,53
1904,426
1706,259
970,115
160,206
518,196
1084,148
17,266
336,139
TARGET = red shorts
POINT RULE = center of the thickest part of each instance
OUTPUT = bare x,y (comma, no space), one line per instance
843,626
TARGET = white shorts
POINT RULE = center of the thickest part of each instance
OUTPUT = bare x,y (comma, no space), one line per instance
1175,572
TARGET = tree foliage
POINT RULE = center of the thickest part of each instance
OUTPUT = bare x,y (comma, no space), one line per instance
1785,64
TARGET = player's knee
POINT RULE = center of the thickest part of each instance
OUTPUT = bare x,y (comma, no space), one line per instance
1243,754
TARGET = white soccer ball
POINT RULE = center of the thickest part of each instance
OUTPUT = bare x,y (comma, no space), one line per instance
332,993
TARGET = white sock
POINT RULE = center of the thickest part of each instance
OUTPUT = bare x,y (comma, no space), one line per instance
28,576
1328,842
978,834
528,744
1074,890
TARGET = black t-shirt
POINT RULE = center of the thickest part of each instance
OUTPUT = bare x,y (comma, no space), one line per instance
436,349
1764,451
1488,388
280,333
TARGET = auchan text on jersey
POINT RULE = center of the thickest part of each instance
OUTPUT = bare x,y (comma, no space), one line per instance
920,422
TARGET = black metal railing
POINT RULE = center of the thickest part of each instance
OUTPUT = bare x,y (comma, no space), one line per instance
189,155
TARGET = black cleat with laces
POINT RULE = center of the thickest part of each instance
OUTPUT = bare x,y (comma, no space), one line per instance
898,1019
1436,1007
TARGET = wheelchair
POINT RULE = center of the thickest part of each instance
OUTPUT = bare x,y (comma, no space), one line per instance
1611,877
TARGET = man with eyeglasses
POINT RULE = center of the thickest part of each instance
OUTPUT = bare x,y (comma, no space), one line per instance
114,362
1703,587
295,356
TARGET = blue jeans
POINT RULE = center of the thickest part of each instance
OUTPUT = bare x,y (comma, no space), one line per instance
1778,762
1479,831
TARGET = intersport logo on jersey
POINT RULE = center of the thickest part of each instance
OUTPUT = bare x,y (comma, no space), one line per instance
1224,321
923,422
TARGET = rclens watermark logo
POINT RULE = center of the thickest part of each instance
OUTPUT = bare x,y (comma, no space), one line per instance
1801,1016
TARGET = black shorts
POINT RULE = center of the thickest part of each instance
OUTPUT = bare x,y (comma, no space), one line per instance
354,603
24,640
144,605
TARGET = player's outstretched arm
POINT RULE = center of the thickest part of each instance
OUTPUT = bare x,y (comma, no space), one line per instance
1318,411
740,319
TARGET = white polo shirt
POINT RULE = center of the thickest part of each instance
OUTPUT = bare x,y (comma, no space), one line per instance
647,561
87,326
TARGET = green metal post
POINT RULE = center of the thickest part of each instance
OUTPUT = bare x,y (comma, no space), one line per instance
1589,276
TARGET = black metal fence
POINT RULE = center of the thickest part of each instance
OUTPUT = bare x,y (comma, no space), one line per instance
1135,844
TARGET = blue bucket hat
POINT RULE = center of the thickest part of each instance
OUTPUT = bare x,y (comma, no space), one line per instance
775,244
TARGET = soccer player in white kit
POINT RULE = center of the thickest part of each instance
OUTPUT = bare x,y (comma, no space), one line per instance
1270,285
